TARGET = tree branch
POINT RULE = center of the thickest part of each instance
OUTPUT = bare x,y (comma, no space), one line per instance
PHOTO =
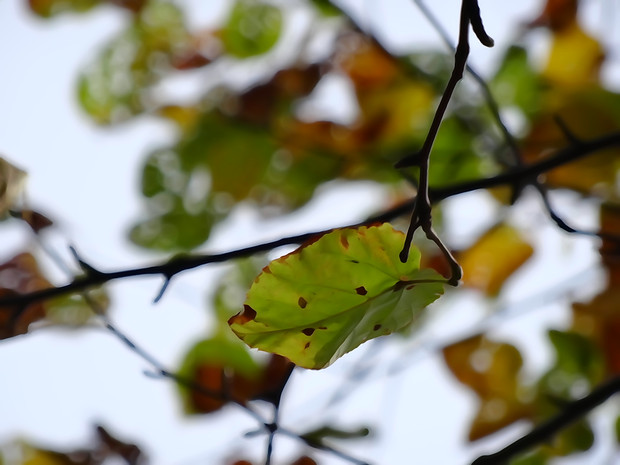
570,413
187,262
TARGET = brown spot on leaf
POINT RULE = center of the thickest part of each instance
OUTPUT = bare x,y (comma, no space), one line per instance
354,261
322,327
302,302
308,331
361,290
410,287
248,314
376,328
267,270
344,242
307,345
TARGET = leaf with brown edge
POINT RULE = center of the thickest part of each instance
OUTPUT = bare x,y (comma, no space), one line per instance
334,293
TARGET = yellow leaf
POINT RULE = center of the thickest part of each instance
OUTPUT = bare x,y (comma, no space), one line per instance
575,57
12,184
494,257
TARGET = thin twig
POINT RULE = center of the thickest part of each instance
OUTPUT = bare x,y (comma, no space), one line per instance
509,139
488,95
421,216
159,369
323,447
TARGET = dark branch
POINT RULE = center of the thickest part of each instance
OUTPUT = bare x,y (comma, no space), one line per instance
570,413
184,263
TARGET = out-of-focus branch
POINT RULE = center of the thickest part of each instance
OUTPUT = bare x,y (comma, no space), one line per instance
570,413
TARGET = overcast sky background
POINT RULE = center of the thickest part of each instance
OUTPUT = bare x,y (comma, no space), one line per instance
54,384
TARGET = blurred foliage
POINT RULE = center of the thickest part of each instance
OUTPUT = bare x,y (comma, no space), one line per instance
104,449
255,143
21,275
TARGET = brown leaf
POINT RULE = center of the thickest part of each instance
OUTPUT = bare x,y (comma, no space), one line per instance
20,275
366,63
37,221
131,453
224,386
274,378
556,14
304,460
259,104
610,247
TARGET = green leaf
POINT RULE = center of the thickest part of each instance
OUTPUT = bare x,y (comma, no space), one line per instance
253,28
48,8
318,435
235,154
455,156
578,362
114,87
175,230
329,296
516,83
537,457
325,8
75,309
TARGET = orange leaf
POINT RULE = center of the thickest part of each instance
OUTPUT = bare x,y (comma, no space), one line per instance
491,370
556,14
365,62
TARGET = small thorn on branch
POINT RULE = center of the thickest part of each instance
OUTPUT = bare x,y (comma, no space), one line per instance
163,289
86,268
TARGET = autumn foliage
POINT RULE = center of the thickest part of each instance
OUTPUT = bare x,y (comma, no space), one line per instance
255,144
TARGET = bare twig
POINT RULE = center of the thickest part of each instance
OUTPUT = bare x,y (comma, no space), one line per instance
421,215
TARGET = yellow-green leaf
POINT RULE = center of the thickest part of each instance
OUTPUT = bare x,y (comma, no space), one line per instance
328,297
253,28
